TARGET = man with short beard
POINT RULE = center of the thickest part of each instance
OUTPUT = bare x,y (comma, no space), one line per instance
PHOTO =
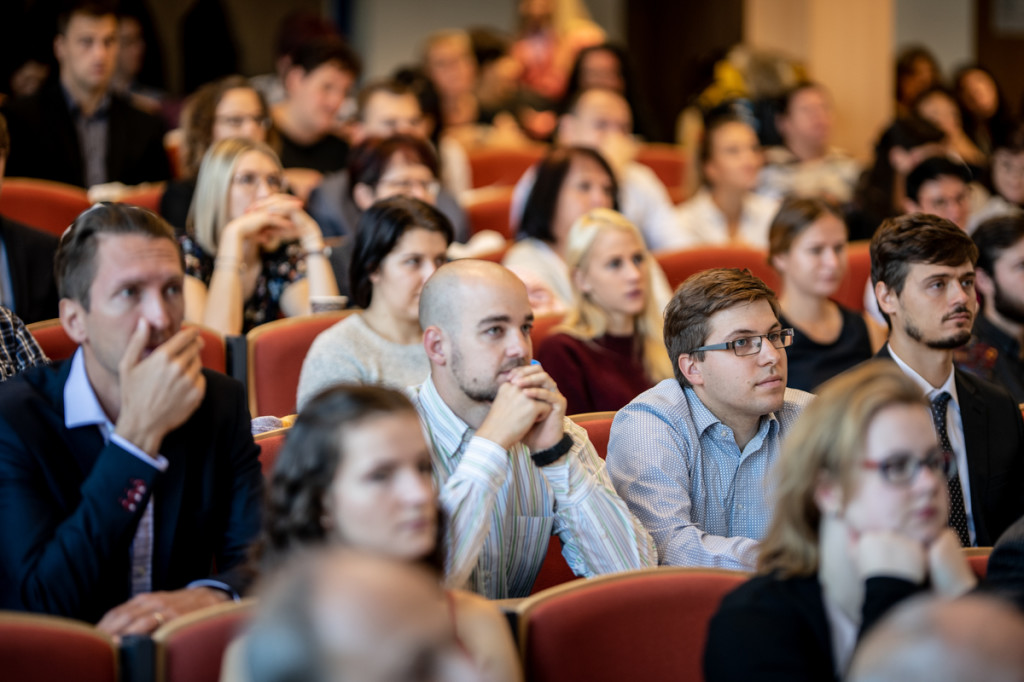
995,349
922,268
511,468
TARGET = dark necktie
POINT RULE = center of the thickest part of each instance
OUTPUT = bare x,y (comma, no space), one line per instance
957,513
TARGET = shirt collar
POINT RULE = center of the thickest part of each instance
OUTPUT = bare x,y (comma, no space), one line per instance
704,419
75,110
446,429
81,406
949,385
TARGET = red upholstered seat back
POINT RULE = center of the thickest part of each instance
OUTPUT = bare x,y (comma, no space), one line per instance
678,265
48,205
641,625
270,443
190,648
57,345
542,327
52,649
502,167
599,428
851,290
274,360
977,557
668,162
491,212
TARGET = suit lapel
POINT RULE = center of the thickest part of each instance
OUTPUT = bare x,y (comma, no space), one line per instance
975,423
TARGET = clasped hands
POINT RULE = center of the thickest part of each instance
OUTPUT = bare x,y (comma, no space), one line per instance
527,408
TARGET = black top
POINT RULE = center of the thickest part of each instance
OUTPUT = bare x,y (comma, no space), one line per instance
175,202
776,629
993,355
327,155
811,363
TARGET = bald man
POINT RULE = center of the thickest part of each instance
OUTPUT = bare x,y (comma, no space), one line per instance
340,615
511,468
933,640
602,120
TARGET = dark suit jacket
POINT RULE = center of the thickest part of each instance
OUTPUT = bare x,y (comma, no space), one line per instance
44,141
69,510
30,262
772,629
994,436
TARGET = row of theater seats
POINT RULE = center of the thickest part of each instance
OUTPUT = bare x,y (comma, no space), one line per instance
645,624
269,358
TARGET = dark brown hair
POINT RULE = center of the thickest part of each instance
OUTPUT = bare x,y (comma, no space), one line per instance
702,295
795,215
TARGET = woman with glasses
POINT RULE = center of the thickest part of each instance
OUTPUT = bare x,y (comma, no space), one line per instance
251,253
860,524
610,347
229,107
807,247
400,242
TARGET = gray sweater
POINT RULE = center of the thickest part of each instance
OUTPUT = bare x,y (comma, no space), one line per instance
352,353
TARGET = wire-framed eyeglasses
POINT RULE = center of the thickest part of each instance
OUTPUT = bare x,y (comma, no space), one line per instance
751,345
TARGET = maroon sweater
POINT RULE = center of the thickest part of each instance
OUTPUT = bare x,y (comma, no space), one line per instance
595,375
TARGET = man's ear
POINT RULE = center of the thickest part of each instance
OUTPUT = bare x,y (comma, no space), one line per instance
691,369
436,346
293,78
984,283
887,298
59,43
72,318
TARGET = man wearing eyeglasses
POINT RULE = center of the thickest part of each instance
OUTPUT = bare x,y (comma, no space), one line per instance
922,268
692,456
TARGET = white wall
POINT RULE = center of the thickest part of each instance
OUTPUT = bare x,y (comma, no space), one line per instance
946,27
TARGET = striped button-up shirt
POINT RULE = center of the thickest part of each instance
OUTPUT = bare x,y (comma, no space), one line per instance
705,501
502,508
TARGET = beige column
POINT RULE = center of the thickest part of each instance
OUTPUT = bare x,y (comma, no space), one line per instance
846,46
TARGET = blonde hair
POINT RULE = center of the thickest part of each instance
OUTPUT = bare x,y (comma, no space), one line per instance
586,320
208,213
828,441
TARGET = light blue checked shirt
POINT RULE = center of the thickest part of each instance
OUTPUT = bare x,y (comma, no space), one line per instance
502,509
705,502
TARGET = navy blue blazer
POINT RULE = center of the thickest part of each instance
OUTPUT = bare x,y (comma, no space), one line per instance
30,261
994,436
69,505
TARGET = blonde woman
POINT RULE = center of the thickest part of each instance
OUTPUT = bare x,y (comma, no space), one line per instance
610,347
860,524
251,253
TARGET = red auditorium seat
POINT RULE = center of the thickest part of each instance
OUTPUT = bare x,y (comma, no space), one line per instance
191,648
502,167
851,289
491,212
668,162
649,624
977,557
275,352
270,443
52,649
678,265
542,327
47,205
598,426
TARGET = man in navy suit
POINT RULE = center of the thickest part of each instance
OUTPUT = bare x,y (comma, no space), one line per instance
922,268
128,472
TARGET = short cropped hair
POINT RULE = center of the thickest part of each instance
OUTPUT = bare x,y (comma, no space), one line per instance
994,236
934,168
322,50
75,262
89,8
916,238
702,295
390,87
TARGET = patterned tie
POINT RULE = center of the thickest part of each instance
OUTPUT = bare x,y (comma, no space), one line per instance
957,514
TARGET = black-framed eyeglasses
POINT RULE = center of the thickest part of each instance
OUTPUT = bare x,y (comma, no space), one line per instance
902,468
751,345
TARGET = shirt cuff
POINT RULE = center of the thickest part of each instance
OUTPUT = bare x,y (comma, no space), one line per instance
215,584
160,462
